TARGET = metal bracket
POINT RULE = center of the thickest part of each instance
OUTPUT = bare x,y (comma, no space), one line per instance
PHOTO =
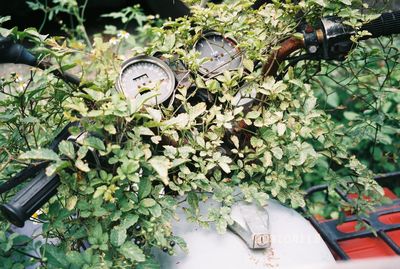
256,232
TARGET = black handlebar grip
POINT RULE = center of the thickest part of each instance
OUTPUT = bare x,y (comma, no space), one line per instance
386,24
11,52
28,200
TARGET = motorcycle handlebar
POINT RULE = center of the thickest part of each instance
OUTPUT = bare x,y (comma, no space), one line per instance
331,39
37,192
11,52
386,24
33,196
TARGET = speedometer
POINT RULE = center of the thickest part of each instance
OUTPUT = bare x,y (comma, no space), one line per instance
221,52
148,78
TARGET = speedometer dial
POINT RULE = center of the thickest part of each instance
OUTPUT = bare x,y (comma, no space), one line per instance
148,78
222,54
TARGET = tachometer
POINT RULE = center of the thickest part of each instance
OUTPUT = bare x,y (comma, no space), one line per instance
222,53
148,78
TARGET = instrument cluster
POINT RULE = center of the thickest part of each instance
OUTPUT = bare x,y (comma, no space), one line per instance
155,79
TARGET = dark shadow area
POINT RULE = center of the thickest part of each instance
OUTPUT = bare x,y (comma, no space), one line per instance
23,17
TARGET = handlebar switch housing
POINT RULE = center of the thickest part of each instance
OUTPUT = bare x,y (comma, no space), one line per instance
311,40
336,42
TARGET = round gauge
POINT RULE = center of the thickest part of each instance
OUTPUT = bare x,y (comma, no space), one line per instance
222,52
245,96
147,78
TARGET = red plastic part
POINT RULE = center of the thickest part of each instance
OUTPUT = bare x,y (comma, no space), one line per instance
393,218
349,227
367,247
387,192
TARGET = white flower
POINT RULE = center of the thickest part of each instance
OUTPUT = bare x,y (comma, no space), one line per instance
18,77
123,35
113,41
21,86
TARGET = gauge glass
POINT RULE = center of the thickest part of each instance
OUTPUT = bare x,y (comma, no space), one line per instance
222,52
148,78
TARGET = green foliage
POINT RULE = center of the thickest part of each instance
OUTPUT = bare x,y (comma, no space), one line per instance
129,14
70,7
14,249
123,177
363,94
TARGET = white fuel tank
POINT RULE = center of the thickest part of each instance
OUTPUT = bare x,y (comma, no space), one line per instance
293,242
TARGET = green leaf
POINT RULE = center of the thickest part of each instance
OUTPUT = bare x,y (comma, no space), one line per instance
71,202
84,167
55,256
193,201
277,152
40,154
4,19
309,104
132,252
281,128
57,166
320,2
349,115
67,148
346,2
144,187
333,99
75,258
213,85
224,162
197,110
6,32
155,210
254,114
129,220
248,64
200,83
161,164
99,191
95,94
33,32
95,143
148,264
169,42
148,202
110,128
118,236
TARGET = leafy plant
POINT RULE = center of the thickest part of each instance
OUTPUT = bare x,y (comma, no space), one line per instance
129,14
123,176
69,7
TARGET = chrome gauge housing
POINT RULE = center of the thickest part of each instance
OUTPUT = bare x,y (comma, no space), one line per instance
222,54
147,79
